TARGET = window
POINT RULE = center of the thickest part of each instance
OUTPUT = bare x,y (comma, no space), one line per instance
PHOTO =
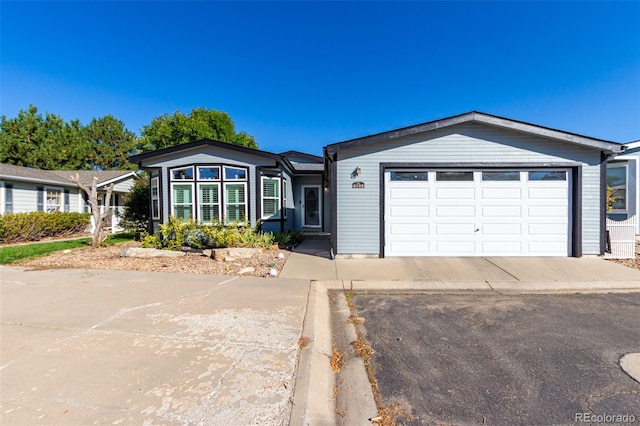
235,202
535,175
214,194
617,181
454,176
408,176
284,197
208,173
209,202
155,198
233,173
270,197
184,173
500,176
182,206
8,198
54,200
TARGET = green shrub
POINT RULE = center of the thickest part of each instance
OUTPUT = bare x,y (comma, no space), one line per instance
177,233
33,226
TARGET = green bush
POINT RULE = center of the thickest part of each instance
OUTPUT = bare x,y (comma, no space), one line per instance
177,233
33,226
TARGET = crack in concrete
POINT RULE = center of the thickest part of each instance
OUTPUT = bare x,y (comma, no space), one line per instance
215,391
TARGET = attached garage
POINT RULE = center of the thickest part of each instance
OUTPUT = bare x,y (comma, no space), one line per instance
493,212
469,185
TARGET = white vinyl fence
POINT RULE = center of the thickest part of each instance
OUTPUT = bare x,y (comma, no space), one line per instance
621,238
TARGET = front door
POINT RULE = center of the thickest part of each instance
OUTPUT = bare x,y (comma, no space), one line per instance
312,207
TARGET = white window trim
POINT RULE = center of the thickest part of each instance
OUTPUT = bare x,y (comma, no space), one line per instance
626,186
226,202
47,189
173,202
157,198
219,203
278,198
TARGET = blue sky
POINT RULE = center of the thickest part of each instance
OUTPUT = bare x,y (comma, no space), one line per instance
301,75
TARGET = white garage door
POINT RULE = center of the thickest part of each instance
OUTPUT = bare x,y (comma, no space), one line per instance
477,213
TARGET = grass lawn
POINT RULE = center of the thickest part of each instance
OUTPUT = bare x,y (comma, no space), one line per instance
11,254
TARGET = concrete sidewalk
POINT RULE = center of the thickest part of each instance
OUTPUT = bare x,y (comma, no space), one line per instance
502,274
120,347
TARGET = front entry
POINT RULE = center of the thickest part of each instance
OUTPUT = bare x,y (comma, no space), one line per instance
312,206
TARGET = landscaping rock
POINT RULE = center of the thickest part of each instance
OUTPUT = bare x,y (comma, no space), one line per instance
147,253
247,270
233,254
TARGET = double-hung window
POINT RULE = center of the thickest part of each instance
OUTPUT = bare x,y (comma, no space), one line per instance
209,194
235,194
270,197
182,193
155,198
617,181
54,200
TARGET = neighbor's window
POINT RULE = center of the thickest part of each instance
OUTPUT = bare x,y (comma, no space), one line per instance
209,202
454,176
270,197
235,202
155,198
617,181
500,176
535,175
54,200
182,201
8,198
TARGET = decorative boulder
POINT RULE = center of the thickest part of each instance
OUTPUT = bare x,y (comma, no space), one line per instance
147,253
233,254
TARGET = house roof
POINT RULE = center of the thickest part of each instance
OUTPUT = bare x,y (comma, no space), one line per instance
478,117
62,177
202,142
303,155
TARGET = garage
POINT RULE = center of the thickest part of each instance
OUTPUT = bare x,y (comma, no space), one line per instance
477,212
468,185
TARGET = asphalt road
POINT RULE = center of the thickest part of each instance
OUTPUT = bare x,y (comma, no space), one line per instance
504,360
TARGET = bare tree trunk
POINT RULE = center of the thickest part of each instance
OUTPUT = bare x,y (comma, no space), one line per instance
98,235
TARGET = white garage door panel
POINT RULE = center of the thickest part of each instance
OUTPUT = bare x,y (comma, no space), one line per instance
501,248
420,213
502,211
548,194
409,229
548,211
456,211
456,193
455,228
501,194
502,229
479,218
456,248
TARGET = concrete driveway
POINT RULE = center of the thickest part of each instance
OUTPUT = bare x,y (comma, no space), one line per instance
119,347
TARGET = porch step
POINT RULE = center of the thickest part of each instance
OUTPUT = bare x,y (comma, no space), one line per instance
317,235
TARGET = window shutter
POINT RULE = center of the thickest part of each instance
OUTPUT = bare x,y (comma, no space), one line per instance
40,200
67,207
270,188
8,198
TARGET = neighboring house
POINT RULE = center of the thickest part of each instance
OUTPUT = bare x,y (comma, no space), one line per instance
468,185
623,176
211,181
24,189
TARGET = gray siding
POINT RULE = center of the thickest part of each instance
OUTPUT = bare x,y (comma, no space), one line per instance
25,196
358,210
